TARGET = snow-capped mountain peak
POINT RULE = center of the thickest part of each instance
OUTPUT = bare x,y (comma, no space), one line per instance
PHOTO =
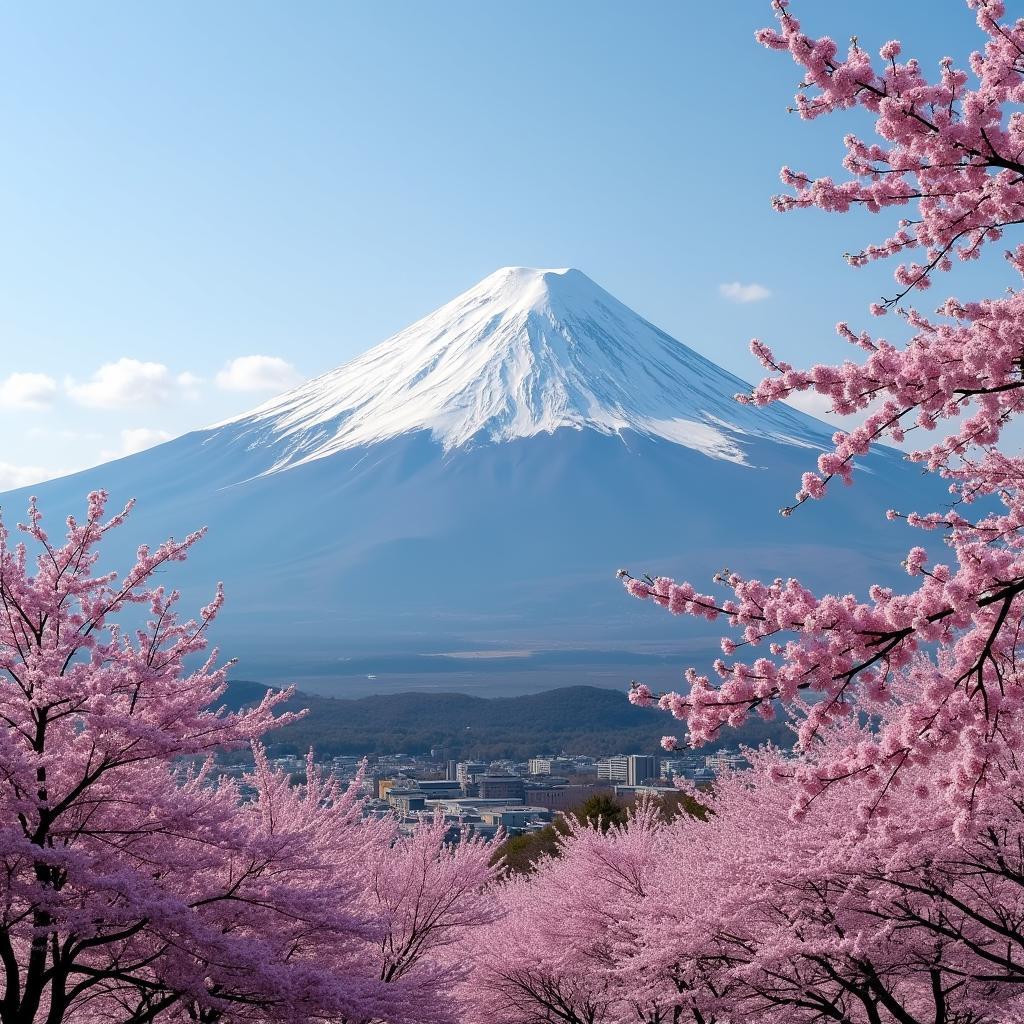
523,352
471,484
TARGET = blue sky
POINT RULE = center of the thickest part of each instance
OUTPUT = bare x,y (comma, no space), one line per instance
188,185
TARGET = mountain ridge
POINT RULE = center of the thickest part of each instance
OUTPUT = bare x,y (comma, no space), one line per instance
574,719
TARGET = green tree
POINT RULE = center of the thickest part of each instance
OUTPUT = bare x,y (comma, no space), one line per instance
602,811
519,854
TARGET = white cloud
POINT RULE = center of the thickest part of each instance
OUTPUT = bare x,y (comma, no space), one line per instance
736,292
820,406
35,391
189,385
135,439
12,476
813,404
258,373
131,382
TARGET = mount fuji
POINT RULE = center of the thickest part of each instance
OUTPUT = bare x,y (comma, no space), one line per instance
448,510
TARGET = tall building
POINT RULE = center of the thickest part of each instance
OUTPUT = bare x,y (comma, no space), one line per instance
640,768
628,769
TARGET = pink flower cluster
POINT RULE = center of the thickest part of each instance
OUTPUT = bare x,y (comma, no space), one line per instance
136,884
946,652
964,370
944,146
766,908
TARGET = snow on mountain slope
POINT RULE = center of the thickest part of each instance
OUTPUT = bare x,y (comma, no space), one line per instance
524,352
472,484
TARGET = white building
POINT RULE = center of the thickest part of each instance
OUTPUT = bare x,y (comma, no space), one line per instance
614,769
628,769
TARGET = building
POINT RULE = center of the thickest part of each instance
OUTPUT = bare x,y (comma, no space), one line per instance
469,807
653,789
613,769
501,787
724,760
685,765
551,766
407,801
437,788
516,819
628,769
562,798
466,770
640,768
384,786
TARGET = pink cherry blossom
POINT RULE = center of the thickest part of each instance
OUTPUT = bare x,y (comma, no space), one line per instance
139,885
772,908
949,147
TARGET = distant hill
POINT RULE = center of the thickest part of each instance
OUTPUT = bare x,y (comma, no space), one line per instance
575,719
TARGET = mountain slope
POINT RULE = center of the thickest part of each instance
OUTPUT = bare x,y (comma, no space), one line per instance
471,485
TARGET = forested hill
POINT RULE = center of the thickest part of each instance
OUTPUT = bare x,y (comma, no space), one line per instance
575,719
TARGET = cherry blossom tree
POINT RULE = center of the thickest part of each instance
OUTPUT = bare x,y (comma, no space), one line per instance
561,950
752,916
429,889
828,918
876,874
949,149
138,885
